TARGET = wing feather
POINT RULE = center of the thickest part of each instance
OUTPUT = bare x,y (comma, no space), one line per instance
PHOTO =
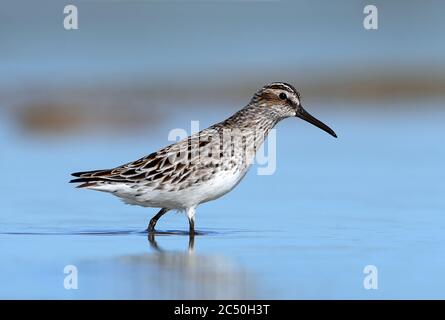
170,165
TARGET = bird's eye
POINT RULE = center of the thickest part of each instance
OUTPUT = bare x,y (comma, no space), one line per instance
282,96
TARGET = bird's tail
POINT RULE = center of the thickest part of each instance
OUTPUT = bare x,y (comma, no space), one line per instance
91,178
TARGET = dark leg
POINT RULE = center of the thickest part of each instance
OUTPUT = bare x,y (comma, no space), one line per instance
152,241
154,220
192,226
191,217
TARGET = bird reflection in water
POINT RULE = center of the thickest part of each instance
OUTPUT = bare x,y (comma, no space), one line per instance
154,245
187,275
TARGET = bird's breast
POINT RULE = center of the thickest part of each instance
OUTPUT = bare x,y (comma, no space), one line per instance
222,182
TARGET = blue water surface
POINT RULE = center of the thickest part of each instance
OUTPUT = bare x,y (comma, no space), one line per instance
374,196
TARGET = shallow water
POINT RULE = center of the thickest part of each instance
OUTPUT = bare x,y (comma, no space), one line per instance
372,197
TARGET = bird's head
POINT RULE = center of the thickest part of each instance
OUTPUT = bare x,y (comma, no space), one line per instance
284,100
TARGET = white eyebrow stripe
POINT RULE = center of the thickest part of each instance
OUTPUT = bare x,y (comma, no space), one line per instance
281,86
287,87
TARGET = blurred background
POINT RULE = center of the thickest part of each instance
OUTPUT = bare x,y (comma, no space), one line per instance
111,91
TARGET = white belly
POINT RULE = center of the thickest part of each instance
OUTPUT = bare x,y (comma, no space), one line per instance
219,185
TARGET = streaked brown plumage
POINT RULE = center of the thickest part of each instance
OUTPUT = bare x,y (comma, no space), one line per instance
204,166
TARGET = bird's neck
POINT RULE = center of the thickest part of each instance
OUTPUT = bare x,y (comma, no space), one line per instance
253,123
253,117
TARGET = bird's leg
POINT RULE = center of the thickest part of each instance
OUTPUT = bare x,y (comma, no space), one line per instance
152,241
191,217
191,242
154,220
192,226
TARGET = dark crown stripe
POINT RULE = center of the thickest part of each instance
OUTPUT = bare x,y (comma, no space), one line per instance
282,86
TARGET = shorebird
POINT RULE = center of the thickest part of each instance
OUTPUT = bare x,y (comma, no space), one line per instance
204,166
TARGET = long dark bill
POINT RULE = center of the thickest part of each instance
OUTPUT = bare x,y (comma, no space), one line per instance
303,114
